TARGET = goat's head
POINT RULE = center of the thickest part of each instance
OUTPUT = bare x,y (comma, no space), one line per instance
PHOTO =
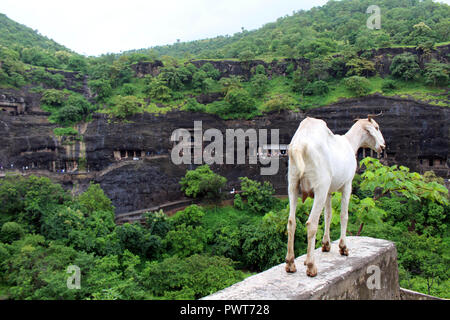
372,137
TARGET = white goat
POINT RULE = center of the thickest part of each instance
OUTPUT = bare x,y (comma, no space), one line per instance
321,163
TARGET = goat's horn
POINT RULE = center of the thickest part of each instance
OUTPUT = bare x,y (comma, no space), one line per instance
370,116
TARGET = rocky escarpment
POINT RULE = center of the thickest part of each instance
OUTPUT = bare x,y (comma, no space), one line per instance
74,81
382,58
28,100
417,135
144,68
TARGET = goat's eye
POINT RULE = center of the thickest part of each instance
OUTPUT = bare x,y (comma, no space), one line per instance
377,129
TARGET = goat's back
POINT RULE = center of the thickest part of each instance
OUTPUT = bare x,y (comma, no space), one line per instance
318,153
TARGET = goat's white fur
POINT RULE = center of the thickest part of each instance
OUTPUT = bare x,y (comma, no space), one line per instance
320,163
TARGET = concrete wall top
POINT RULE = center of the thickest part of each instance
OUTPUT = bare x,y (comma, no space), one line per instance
369,272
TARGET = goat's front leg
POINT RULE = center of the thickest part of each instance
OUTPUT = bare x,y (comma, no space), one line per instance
293,198
346,192
313,220
326,235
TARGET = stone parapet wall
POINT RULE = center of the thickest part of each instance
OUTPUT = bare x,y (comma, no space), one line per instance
369,272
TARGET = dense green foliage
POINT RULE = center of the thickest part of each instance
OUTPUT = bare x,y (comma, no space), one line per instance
200,250
332,39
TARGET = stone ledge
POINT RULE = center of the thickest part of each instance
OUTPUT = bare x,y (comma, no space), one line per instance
339,277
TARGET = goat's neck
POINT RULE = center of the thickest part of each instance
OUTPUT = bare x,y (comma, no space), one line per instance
355,137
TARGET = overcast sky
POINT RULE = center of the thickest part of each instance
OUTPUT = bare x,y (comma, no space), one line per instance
93,27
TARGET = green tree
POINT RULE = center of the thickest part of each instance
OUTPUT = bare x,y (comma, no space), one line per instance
203,182
125,106
190,278
259,195
101,88
280,102
405,66
319,88
259,84
358,86
360,67
437,74
158,89
53,97
11,231
94,199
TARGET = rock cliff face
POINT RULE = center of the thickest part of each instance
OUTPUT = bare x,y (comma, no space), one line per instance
417,135
143,68
381,57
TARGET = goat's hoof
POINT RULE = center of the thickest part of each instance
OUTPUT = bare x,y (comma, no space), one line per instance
290,268
343,251
311,271
326,247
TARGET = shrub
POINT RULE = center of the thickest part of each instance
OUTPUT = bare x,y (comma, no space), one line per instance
157,223
191,216
11,231
186,240
319,87
94,199
75,108
125,106
360,67
203,182
193,106
437,74
53,97
138,240
259,69
190,278
388,85
405,66
210,71
158,89
259,84
280,102
101,87
61,132
299,81
259,195
357,85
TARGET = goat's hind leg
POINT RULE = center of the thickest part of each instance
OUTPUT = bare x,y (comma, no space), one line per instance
293,198
313,220
326,246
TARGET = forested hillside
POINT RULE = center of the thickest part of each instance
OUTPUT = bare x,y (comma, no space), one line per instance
332,28
18,36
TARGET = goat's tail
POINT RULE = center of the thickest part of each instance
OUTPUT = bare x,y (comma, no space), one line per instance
296,155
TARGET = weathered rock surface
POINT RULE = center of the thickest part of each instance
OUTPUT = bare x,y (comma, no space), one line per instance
381,57
339,277
413,132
